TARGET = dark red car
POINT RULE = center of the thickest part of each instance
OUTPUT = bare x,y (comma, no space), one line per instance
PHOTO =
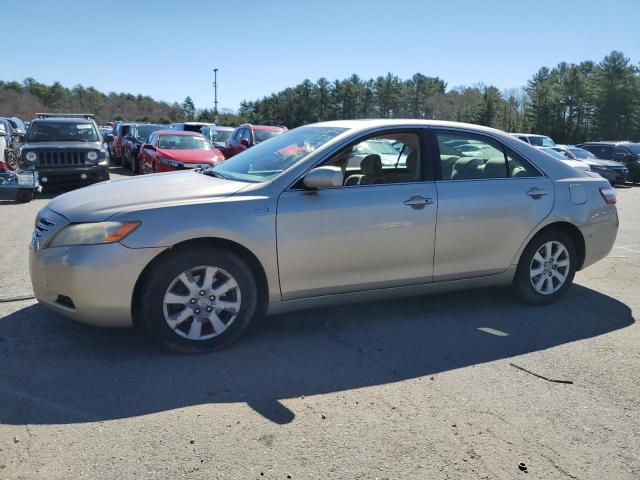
247,135
171,150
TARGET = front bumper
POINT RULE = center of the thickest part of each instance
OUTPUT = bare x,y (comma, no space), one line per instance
92,284
73,175
615,176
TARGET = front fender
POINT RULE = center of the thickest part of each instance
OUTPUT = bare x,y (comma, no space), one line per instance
247,220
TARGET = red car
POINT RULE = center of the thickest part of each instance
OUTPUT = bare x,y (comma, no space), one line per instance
247,135
171,150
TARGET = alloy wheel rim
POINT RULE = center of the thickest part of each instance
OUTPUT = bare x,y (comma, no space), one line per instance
201,303
549,268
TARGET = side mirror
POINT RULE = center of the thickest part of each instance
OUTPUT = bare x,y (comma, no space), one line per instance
324,177
244,142
108,138
148,146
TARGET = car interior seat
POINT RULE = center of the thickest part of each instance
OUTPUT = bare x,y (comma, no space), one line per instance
371,168
446,165
467,168
494,168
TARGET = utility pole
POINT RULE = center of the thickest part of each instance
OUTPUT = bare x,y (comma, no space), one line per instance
215,96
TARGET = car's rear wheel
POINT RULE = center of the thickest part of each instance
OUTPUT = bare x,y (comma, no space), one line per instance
546,268
198,300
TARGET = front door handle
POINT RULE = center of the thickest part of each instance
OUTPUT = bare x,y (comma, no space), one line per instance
536,192
418,201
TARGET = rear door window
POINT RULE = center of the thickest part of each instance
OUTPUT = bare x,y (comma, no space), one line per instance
466,156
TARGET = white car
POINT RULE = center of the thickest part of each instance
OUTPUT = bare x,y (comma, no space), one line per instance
577,164
535,139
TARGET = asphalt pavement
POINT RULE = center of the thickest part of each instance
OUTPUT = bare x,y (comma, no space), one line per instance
462,385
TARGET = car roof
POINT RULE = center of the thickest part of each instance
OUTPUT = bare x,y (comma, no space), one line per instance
365,124
223,128
604,142
178,132
262,127
64,119
529,134
143,124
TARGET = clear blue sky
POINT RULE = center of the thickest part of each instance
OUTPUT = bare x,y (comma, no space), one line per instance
168,49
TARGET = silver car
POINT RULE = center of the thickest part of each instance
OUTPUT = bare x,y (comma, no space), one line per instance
194,256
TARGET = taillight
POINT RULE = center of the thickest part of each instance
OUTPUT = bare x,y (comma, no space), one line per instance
608,194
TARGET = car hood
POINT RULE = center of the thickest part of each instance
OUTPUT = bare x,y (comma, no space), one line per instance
601,163
60,145
98,202
188,156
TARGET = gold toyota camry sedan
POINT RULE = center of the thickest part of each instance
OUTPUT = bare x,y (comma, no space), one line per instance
327,213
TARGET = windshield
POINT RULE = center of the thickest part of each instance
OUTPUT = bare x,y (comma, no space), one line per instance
582,153
268,159
555,154
542,142
62,132
564,153
184,142
220,135
262,135
144,131
634,148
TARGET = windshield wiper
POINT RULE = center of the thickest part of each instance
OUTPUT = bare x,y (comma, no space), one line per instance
211,172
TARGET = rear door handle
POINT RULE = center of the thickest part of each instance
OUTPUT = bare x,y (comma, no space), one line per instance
536,192
418,201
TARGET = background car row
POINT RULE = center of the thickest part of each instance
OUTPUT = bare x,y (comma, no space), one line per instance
153,147
149,148
618,162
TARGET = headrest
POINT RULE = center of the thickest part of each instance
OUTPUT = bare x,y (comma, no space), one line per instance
371,165
466,167
495,168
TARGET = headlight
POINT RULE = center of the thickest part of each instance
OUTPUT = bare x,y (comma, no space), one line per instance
93,156
31,157
171,163
93,233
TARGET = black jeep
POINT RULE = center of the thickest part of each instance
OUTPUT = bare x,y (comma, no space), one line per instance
66,149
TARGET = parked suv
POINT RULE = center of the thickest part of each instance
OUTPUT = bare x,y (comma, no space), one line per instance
66,148
624,152
134,139
247,135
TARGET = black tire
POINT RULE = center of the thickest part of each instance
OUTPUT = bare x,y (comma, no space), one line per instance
134,166
11,159
24,195
161,275
523,281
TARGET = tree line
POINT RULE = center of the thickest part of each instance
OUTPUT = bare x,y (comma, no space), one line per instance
569,102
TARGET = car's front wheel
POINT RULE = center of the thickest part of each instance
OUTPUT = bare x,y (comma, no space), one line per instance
546,268
198,299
